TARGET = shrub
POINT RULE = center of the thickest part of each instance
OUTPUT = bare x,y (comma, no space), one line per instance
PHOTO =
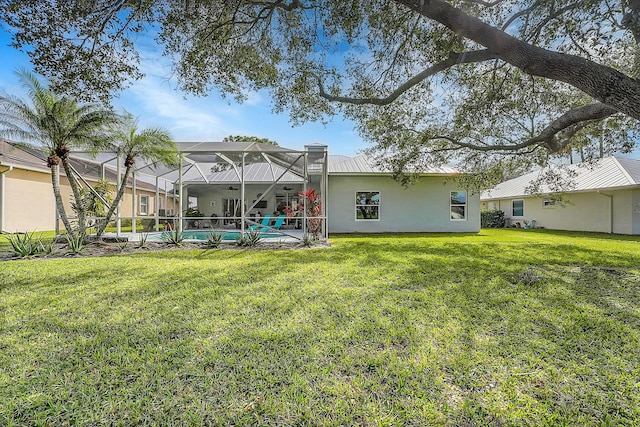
250,238
75,244
143,240
309,239
25,245
173,237
214,239
127,222
492,219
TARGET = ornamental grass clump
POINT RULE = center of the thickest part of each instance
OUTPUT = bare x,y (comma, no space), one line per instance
75,243
143,241
249,239
173,237
27,244
309,240
214,239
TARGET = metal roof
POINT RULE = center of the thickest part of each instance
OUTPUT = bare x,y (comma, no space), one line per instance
364,164
262,162
268,172
253,173
603,174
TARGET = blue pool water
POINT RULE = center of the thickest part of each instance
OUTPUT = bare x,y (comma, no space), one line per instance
228,235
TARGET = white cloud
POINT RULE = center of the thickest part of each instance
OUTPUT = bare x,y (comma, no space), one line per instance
156,100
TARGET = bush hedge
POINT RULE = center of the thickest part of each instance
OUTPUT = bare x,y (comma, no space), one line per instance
492,219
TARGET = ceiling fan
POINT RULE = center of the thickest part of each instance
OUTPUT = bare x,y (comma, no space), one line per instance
287,188
232,188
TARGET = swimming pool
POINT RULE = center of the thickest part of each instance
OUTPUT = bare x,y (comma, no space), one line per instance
202,235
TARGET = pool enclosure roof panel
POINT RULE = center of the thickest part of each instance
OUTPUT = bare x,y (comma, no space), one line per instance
253,173
200,157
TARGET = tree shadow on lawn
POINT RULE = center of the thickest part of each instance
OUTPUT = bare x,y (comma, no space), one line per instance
473,331
558,339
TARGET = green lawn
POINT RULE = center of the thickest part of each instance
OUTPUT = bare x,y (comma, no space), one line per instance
505,327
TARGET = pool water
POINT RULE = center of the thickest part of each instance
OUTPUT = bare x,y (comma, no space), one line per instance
202,235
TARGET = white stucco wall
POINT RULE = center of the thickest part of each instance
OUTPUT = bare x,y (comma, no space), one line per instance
29,204
424,206
635,214
590,211
217,195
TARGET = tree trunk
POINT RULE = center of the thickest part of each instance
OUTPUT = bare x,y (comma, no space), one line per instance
605,84
55,182
76,195
114,204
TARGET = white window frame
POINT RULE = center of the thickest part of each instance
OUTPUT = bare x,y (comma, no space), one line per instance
464,205
513,215
146,205
355,210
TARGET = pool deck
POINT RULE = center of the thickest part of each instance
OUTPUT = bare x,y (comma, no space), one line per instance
285,236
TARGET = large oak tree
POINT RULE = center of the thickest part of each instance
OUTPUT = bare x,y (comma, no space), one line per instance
496,85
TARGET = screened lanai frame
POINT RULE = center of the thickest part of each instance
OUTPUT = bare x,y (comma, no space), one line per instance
198,159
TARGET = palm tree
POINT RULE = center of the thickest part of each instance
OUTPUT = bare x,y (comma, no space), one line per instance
153,145
57,124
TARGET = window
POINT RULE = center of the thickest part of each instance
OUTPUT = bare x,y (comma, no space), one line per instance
458,203
367,205
517,208
144,205
548,203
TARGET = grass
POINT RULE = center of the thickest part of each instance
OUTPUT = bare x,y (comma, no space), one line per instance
505,327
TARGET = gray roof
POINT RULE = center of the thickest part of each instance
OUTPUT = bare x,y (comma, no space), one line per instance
364,164
268,172
253,173
262,163
32,158
12,154
603,174
208,154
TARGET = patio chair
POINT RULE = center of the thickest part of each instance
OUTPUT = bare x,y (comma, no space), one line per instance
265,222
279,222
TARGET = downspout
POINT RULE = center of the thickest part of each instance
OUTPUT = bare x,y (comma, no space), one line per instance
610,197
2,193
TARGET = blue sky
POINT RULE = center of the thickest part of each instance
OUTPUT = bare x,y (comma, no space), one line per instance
156,102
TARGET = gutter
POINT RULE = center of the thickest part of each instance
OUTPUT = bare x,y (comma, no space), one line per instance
2,193
610,197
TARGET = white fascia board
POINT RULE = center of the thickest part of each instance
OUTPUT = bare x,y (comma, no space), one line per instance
28,168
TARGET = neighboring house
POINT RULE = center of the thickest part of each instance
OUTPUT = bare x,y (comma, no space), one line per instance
26,194
605,198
